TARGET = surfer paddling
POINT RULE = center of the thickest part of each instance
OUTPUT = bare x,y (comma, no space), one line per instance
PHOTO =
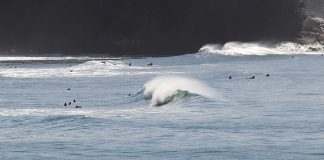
253,77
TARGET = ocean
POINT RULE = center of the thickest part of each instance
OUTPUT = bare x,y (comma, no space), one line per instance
181,107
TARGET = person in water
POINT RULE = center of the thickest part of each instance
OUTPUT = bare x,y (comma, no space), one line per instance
253,77
268,75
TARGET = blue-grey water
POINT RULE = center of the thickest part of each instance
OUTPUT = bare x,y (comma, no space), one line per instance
275,117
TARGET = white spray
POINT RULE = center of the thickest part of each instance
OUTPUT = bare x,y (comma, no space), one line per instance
244,49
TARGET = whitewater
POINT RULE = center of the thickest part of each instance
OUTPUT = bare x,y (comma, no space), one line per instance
195,106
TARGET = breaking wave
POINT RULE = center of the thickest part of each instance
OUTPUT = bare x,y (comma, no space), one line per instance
164,89
27,59
45,67
245,49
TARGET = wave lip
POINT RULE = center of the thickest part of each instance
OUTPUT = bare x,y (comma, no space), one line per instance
164,89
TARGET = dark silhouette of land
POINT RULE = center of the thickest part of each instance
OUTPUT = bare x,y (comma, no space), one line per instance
141,27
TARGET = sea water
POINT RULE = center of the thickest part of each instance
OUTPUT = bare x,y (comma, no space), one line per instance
181,107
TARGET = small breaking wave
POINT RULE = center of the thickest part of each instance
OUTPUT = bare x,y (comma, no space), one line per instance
57,114
68,68
26,58
164,89
246,49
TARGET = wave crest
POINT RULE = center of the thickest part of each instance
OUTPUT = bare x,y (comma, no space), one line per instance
164,89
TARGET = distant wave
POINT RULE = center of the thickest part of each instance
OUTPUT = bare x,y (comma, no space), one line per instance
164,89
244,49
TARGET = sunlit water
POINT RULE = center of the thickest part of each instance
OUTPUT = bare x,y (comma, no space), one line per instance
276,117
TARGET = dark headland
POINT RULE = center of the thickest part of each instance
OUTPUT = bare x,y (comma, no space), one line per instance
143,27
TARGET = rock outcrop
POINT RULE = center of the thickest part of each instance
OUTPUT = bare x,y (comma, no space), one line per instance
312,33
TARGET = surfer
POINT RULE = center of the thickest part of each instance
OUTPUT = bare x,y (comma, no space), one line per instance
268,75
129,94
253,77
69,103
230,77
150,64
129,64
78,106
68,89
74,100
65,104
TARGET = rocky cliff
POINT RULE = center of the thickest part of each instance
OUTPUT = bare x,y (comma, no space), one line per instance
142,27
